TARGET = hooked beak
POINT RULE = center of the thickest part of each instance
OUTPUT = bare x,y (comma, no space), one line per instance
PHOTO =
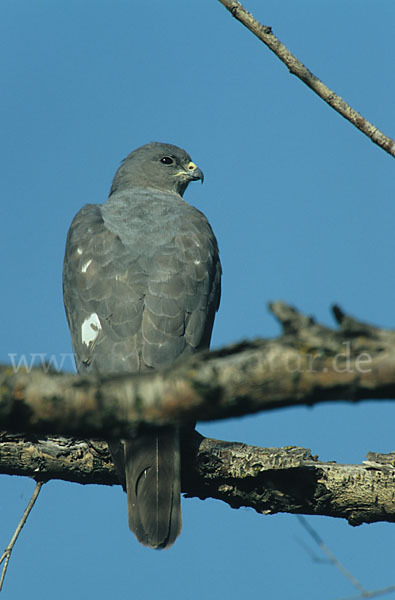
194,172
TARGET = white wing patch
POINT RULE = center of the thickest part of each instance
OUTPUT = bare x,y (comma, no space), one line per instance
90,329
79,251
86,265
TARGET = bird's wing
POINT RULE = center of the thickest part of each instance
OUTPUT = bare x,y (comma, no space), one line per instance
103,287
132,307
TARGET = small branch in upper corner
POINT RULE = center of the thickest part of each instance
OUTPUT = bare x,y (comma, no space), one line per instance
7,552
296,67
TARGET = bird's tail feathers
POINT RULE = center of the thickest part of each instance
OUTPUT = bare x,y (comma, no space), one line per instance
153,484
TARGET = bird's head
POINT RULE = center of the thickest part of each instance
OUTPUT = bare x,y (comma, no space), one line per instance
161,166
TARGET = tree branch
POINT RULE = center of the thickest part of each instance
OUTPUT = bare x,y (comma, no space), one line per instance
7,552
363,592
296,67
307,364
270,480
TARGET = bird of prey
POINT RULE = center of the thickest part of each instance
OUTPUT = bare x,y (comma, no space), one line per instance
141,285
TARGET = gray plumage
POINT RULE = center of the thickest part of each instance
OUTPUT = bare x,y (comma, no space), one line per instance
141,285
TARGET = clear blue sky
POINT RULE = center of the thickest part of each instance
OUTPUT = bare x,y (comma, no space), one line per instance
303,208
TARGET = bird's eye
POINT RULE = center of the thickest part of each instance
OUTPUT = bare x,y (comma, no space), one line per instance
167,160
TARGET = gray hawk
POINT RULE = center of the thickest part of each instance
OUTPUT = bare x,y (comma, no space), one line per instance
141,285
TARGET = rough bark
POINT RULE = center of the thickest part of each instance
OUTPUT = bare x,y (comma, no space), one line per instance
270,480
307,364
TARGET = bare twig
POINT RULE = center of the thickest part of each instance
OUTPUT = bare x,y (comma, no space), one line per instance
374,594
7,552
296,67
329,554
363,592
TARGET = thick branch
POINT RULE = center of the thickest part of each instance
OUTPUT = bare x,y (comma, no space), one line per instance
46,458
270,480
265,34
307,364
